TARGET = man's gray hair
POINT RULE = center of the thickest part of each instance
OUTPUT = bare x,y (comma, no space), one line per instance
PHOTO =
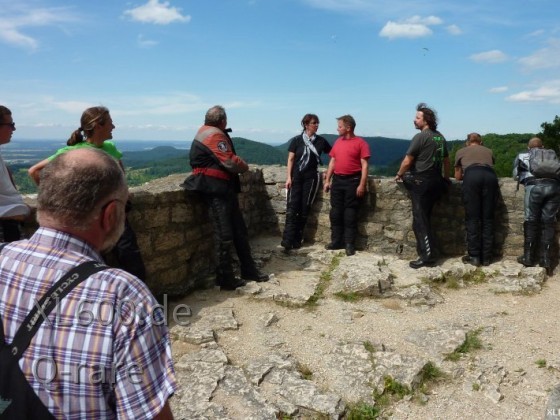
73,186
215,116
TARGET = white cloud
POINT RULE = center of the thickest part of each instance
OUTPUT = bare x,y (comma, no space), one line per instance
454,30
156,12
499,89
428,21
548,92
493,56
13,24
145,43
73,107
545,58
414,27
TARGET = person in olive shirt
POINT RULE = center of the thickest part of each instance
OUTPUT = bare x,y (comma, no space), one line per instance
421,172
474,166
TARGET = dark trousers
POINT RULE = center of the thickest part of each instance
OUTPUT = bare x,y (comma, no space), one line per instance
300,199
542,201
480,192
344,209
10,231
425,189
127,255
229,229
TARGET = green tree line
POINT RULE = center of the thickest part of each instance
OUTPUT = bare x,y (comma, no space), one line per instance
164,161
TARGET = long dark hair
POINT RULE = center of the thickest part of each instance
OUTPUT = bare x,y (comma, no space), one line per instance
430,115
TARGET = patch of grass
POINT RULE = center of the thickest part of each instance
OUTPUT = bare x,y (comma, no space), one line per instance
430,373
362,411
392,391
475,387
369,347
453,283
348,296
476,276
541,363
324,280
305,372
472,342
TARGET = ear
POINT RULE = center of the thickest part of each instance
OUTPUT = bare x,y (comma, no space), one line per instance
109,217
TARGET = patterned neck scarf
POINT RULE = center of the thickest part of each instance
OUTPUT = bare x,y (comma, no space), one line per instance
308,150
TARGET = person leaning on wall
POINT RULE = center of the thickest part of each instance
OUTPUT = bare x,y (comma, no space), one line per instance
216,168
96,131
421,172
541,205
346,180
474,165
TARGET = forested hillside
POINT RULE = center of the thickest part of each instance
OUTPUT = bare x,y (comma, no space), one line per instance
384,150
143,166
505,148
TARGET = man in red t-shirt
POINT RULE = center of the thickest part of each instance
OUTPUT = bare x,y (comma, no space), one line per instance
346,180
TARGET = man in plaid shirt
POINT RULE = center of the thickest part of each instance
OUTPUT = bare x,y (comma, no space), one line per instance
104,352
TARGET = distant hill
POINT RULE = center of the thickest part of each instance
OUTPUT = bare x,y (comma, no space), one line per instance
136,158
147,164
384,150
258,153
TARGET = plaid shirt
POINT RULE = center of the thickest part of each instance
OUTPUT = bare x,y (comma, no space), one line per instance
104,351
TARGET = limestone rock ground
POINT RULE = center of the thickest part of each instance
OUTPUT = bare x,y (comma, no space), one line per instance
267,351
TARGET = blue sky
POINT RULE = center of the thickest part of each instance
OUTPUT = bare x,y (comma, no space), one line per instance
485,66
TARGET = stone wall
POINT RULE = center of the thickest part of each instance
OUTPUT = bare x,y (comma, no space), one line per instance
175,233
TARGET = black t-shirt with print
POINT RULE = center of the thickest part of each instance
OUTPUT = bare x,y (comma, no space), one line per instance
297,146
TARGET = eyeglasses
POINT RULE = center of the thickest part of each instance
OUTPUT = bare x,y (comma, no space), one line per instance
314,123
12,124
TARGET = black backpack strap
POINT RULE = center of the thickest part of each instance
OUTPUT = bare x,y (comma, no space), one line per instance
49,301
2,338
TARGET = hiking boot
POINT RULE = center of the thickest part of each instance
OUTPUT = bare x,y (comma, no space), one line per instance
333,246
467,259
232,284
350,250
287,246
256,275
421,263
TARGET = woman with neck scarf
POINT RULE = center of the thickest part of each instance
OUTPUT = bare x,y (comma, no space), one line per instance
303,179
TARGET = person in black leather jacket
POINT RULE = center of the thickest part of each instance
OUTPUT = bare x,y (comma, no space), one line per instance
216,169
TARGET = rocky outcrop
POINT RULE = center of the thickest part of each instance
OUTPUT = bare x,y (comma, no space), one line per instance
241,355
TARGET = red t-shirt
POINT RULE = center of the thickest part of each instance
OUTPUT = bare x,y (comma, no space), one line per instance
348,153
